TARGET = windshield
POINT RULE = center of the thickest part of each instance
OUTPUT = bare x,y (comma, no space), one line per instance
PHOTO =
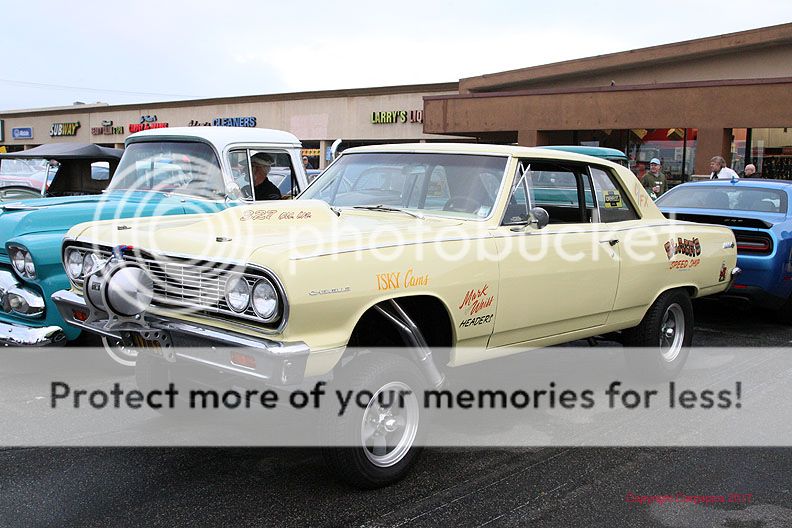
170,166
26,172
443,184
727,198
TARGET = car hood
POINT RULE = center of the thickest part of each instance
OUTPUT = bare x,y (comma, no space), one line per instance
302,228
48,215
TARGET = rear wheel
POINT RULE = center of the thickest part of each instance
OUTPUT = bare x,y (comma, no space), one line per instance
660,343
374,444
784,314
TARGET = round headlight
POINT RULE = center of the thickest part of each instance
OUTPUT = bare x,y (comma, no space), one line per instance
30,268
87,264
265,300
18,259
74,263
237,293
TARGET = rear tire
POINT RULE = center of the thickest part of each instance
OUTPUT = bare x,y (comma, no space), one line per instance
784,314
661,342
380,443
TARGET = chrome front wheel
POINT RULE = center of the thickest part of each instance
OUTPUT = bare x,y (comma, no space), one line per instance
388,432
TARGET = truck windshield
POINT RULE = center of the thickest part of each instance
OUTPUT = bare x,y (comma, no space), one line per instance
181,167
438,184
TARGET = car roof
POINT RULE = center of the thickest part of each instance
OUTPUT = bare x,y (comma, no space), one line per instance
597,152
743,182
480,149
219,136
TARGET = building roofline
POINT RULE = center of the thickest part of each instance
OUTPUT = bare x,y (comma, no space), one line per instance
688,49
265,98
617,88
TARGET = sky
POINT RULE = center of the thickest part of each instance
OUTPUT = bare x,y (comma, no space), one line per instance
56,53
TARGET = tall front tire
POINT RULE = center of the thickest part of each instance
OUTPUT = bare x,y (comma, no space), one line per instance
378,437
121,354
660,344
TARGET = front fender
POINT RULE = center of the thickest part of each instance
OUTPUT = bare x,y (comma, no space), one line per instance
45,249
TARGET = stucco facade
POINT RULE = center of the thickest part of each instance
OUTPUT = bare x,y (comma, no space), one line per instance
713,86
375,115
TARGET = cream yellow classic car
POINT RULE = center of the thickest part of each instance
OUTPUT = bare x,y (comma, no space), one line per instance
469,251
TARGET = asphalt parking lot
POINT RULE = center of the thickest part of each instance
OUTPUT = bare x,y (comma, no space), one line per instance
448,487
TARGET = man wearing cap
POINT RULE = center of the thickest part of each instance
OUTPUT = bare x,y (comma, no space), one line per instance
263,188
654,181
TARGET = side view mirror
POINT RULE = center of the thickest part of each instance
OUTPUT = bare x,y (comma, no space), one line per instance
334,148
540,217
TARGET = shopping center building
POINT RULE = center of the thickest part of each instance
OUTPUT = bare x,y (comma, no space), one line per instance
358,117
729,95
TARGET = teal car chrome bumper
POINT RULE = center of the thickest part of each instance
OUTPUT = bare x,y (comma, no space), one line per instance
18,335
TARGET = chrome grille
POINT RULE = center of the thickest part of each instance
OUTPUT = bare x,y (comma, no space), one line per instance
191,285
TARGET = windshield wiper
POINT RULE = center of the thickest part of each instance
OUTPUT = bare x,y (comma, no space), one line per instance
381,207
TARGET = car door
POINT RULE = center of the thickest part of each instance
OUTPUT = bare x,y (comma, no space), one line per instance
563,277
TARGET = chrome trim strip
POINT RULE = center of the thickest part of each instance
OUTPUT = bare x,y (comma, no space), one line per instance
17,335
538,232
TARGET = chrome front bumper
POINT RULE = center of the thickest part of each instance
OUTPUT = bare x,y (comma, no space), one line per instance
26,336
272,362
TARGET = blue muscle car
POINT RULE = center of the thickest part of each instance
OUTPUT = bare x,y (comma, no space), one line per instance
758,211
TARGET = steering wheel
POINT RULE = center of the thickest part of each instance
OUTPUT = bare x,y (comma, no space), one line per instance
461,203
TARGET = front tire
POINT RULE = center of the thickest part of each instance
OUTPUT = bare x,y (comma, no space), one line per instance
374,446
661,342
121,354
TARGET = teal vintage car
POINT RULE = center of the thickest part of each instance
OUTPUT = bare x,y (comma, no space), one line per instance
610,154
171,171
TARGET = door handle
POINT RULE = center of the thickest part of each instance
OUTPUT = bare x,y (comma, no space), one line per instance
612,241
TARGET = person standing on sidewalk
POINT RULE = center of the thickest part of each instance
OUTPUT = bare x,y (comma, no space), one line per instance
720,171
654,181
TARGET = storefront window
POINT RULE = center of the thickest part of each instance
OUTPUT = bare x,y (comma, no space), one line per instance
674,147
771,152
739,140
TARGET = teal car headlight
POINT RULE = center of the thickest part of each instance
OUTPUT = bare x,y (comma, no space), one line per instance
22,262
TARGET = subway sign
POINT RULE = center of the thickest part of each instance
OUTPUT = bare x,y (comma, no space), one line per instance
397,116
64,129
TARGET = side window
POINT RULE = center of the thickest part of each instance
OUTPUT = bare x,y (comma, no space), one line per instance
517,208
240,172
558,189
277,170
614,204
